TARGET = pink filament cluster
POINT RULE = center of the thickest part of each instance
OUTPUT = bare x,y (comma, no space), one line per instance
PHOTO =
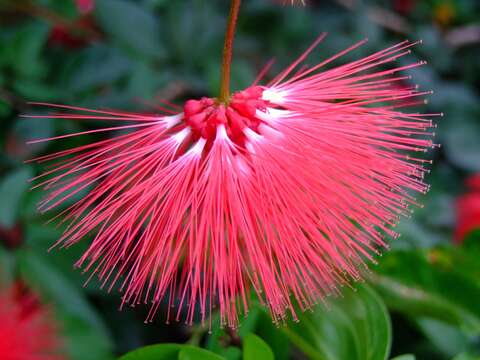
287,190
27,330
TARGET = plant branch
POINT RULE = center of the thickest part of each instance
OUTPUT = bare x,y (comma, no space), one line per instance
227,51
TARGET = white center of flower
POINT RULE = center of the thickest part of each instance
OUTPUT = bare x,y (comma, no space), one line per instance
181,135
271,115
171,121
274,96
197,149
222,132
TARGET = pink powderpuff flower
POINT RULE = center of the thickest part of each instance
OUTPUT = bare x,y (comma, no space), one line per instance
27,329
468,210
287,188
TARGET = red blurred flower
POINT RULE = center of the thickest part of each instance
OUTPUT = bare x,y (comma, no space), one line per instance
74,35
287,188
404,6
468,209
11,237
78,33
85,6
27,330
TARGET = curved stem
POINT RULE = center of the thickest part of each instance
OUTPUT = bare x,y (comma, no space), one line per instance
227,51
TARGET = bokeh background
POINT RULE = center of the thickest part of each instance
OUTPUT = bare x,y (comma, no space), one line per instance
125,54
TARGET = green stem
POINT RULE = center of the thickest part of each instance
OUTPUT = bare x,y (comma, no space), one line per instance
227,51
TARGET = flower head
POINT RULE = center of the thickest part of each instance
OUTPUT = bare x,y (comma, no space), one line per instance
27,330
286,188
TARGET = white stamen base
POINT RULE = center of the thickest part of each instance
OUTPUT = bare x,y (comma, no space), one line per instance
181,135
274,96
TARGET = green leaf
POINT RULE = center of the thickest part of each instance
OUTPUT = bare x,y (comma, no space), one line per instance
83,340
466,356
461,260
259,322
154,352
255,348
85,331
472,239
232,353
194,353
12,189
26,52
170,352
356,327
404,357
131,25
422,284
450,340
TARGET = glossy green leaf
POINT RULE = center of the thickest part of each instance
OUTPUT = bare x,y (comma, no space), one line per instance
255,348
356,327
154,352
404,357
194,353
232,353
259,322
170,352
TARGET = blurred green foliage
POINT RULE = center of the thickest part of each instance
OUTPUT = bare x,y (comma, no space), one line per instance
422,298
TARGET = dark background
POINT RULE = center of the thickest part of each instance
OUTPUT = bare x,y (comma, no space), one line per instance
125,54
